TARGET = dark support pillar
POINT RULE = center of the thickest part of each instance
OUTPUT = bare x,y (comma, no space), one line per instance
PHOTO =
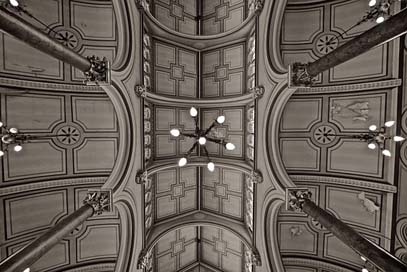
95,69
299,199
95,203
396,25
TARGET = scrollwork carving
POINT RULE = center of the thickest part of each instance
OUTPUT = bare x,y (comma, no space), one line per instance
98,72
295,198
101,201
141,91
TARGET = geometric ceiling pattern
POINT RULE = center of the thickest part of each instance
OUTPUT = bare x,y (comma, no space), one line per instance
197,53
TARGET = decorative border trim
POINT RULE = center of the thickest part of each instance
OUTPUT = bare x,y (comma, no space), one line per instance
351,87
51,184
11,82
314,264
346,181
94,268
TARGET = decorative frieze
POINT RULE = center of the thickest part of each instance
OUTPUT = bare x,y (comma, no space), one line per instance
100,200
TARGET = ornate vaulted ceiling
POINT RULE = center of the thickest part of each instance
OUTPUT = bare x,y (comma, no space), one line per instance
169,55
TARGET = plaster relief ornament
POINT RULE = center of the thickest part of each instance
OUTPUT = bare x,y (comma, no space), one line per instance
358,111
295,231
367,203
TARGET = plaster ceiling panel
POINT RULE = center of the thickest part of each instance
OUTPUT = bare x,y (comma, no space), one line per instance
224,71
297,237
222,192
310,126
313,29
88,122
175,192
176,250
85,27
29,214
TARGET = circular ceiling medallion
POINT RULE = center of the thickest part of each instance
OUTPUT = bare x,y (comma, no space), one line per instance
326,43
67,38
324,134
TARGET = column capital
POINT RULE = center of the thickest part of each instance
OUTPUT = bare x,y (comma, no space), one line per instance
99,71
295,198
143,4
100,200
257,6
257,92
141,91
141,177
298,75
144,260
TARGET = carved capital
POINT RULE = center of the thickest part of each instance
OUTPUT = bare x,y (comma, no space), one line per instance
298,75
253,257
141,177
100,200
99,71
141,91
295,198
143,4
144,260
256,176
257,6
257,92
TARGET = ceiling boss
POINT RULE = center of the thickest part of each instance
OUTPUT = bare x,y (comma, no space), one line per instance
201,136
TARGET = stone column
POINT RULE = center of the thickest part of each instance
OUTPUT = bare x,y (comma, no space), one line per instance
95,69
95,203
299,199
301,74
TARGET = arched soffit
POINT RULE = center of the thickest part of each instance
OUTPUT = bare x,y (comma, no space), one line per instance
239,16
222,163
275,108
124,35
201,242
127,125
198,218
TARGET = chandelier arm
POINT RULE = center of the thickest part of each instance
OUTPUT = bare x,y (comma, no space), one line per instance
217,141
206,153
191,149
210,127
188,135
196,124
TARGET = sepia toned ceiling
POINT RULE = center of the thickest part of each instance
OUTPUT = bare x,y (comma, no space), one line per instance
209,54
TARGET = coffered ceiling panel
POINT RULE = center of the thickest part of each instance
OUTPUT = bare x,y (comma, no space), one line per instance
315,28
90,149
310,122
365,210
87,27
29,214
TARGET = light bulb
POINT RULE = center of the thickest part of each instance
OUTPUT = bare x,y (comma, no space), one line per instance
365,270
1,153
371,146
27,270
202,140
175,132
13,130
211,166
389,123
193,112
220,119
363,258
398,138
182,162
372,128
386,153
230,146
1,124
14,3
380,19
372,3
18,148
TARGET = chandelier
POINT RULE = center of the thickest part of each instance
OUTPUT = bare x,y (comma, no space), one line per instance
201,137
12,136
375,137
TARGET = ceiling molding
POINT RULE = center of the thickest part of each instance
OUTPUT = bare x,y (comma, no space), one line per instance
367,86
51,184
307,262
345,181
93,268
